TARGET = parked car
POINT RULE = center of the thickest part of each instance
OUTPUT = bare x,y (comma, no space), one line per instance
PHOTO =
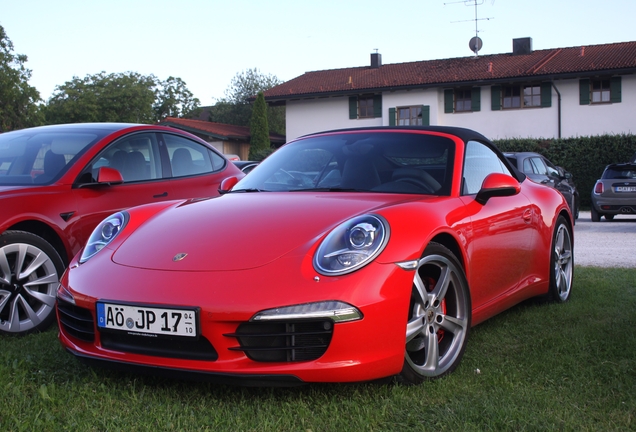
58,182
541,170
371,253
615,192
245,166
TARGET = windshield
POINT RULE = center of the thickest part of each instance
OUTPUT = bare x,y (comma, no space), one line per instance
391,162
40,155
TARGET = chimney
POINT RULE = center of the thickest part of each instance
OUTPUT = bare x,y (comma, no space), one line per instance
522,46
376,60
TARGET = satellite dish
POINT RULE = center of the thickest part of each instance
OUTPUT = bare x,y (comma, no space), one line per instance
475,44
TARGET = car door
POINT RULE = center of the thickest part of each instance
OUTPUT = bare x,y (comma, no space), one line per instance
138,158
195,170
500,234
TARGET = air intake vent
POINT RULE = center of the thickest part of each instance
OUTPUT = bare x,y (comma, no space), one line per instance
76,321
284,341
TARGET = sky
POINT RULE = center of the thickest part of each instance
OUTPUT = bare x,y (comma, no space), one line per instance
207,42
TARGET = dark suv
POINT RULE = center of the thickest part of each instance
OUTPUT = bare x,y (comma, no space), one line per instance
541,170
615,192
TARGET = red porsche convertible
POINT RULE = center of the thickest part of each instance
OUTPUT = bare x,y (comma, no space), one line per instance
348,255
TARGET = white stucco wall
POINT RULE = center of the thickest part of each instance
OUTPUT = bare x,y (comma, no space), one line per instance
314,115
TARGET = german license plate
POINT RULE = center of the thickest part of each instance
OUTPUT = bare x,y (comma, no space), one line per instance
625,188
144,319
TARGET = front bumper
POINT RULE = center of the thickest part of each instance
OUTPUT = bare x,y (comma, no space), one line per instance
361,350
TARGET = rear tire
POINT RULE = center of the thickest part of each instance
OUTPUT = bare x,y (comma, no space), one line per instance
596,217
30,269
438,318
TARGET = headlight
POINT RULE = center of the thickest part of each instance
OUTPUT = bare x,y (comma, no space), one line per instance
351,245
104,234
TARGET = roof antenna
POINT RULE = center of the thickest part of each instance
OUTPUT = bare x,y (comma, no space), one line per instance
475,43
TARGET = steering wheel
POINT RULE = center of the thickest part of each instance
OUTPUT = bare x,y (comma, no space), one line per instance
416,182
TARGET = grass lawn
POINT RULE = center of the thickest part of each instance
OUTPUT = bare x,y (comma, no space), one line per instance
539,366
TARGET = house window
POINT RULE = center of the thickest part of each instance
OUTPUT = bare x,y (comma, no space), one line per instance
365,106
600,91
462,99
419,115
512,96
521,96
532,96
410,116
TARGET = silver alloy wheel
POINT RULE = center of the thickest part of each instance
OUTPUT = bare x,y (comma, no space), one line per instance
439,317
28,284
563,262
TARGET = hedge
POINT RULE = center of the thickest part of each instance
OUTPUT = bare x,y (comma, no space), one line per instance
584,157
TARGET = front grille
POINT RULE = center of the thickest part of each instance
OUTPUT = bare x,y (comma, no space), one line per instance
182,348
284,341
76,321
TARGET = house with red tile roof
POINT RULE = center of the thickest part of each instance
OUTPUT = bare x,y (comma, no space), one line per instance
550,93
228,139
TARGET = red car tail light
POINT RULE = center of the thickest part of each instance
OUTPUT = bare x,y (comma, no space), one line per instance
598,189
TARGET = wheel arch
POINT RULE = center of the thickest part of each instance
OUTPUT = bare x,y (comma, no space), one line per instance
47,233
451,244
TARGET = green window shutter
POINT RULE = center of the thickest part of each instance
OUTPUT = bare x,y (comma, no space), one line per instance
475,99
495,98
353,107
449,100
377,106
391,116
584,92
615,89
546,94
426,115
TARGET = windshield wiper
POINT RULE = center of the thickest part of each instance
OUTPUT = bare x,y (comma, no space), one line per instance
247,190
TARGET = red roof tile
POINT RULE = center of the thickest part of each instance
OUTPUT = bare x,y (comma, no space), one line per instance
218,130
541,63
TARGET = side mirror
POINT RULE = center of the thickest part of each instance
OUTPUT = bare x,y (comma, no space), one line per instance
227,184
110,176
497,185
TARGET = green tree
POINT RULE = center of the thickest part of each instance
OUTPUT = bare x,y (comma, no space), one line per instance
235,107
119,97
173,99
259,130
18,100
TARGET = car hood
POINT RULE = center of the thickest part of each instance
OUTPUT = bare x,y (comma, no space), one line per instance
242,230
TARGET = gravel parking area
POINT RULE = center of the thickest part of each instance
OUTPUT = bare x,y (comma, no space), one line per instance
605,243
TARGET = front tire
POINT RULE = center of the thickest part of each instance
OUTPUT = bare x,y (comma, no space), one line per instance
561,262
439,317
30,269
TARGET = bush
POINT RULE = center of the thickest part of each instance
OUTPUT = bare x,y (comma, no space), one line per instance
584,157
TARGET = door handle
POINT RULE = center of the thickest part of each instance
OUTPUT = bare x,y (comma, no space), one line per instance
165,194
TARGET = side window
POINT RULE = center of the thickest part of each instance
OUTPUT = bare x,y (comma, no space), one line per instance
539,166
188,157
479,162
136,157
